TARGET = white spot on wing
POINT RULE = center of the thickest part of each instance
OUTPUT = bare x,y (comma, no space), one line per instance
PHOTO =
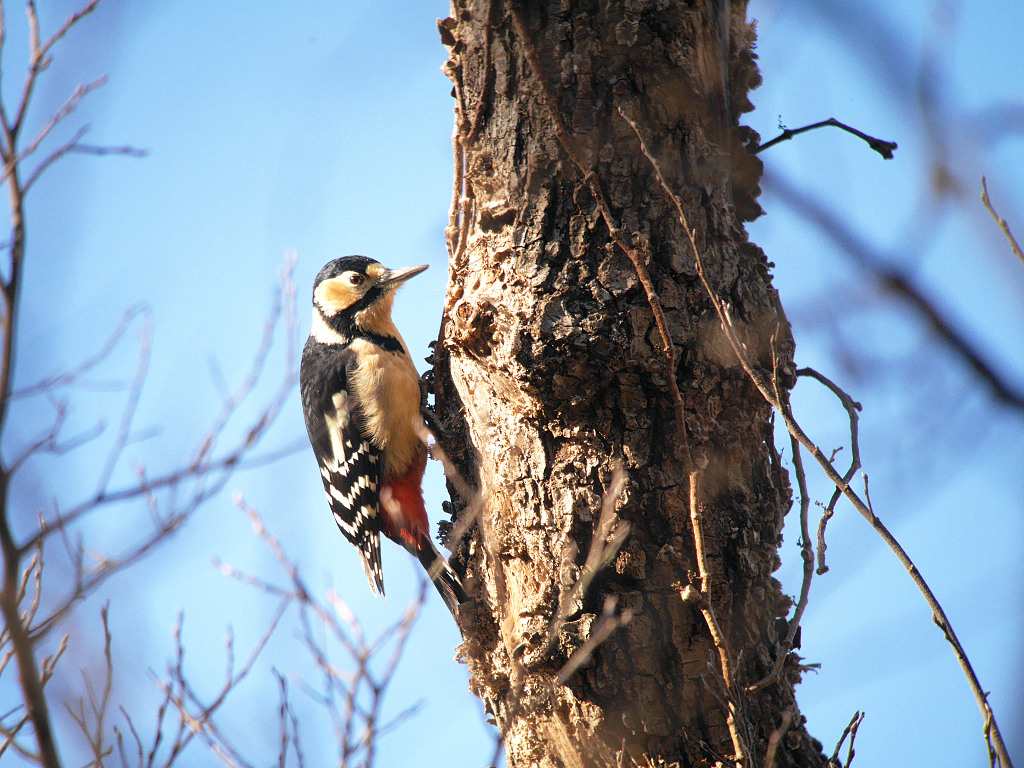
336,423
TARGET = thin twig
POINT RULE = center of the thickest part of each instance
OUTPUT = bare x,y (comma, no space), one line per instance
72,376
193,713
357,724
209,473
702,600
69,106
98,705
1000,221
74,146
806,548
131,406
39,59
807,555
777,734
22,633
853,737
882,147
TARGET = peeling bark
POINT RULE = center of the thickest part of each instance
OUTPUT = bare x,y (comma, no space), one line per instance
550,371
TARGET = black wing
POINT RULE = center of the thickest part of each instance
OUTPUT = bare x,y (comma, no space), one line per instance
349,463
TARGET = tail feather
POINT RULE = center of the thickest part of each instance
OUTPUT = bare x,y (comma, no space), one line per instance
369,553
441,575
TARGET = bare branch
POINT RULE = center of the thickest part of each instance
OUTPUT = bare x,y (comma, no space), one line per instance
50,443
10,734
197,718
807,555
21,632
352,699
91,722
75,146
80,92
39,58
882,147
24,653
206,473
74,375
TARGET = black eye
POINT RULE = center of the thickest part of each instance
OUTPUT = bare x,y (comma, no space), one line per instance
355,279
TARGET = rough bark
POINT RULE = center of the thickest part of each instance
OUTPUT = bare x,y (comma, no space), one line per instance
550,371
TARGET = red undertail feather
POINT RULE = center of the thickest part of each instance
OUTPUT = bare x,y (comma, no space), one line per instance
405,522
404,514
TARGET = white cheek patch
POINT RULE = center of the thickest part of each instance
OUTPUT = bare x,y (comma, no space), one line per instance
322,332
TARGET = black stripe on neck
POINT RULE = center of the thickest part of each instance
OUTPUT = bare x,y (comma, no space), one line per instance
387,343
349,330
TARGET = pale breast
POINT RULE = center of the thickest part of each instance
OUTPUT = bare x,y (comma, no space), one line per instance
387,386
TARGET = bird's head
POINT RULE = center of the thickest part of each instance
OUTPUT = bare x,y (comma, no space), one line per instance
358,291
353,283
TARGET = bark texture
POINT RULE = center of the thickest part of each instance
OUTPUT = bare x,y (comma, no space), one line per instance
550,371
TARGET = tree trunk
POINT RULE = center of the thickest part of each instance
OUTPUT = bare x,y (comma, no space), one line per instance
551,372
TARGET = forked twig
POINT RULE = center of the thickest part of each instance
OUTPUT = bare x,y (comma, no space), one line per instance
91,722
851,731
852,408
353,698
807,555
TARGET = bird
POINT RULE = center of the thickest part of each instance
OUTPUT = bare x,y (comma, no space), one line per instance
361,403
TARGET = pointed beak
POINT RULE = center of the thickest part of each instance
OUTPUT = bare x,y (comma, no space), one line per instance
395,277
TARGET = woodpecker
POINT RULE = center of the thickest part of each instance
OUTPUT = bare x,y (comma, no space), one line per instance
361,401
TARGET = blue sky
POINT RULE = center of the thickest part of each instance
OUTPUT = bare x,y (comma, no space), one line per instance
324,129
